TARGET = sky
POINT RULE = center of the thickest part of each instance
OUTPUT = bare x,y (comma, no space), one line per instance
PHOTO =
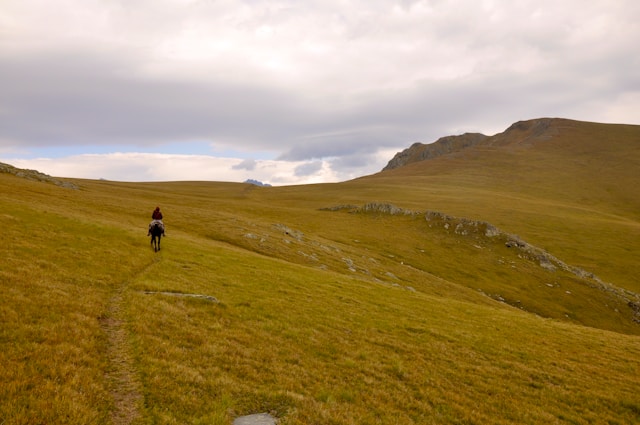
295,92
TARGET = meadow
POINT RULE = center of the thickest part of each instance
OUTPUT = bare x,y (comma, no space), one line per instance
298,302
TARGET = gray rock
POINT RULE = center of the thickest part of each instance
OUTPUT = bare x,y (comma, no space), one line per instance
256,419
443,146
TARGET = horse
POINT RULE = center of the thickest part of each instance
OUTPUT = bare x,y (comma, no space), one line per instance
156,231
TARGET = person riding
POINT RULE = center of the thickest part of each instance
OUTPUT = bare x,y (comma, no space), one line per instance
156,217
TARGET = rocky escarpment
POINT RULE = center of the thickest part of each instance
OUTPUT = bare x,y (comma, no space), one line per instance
475,228
530,132
443,146
35,176
521,133
464,227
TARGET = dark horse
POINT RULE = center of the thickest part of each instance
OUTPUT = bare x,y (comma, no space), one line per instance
156,231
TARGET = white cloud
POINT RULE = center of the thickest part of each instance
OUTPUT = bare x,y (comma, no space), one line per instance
309,168
320,80
172,167
624,109
247,164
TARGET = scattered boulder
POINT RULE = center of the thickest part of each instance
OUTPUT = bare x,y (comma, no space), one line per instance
256,419
384,208
515,243
295,234
350,264
181,294
548,266
349,207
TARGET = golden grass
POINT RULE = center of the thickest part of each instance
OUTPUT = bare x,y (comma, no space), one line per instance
322,317
55,280
323,348
576,194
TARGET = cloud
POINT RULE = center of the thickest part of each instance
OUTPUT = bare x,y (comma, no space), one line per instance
247,164
340,83
308,168
76,101
139,167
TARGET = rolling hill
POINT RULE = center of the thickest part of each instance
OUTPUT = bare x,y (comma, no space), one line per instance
492,282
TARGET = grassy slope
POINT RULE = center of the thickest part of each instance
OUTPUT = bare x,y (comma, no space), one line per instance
324,317
576,194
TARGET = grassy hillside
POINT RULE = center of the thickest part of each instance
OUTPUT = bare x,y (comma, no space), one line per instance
570,187
325,304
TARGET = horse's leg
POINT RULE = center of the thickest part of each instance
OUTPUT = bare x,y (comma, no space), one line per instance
159,239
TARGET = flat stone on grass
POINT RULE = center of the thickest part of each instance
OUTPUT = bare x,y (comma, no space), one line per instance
257,419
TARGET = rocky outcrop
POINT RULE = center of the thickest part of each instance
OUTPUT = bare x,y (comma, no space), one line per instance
385,209
443,146
528,132
521,133
466,227
35,176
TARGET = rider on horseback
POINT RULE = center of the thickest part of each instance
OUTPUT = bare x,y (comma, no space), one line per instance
157,215
156,218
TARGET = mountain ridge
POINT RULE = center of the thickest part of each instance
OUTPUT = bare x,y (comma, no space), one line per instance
526,133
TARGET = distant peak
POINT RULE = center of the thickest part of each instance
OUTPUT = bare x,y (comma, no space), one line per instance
519,133
529,131
257,183
539,124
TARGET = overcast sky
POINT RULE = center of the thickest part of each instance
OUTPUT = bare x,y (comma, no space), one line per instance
290,91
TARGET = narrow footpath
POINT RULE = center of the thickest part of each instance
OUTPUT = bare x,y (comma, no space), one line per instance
122,377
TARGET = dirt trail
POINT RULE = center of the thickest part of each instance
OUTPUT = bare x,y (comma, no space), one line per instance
122,377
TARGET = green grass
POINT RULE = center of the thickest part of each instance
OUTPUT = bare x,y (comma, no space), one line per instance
324,317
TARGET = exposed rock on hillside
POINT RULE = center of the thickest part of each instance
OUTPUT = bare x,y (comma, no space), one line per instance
34,176
444,145
522,133
466,227
528,132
